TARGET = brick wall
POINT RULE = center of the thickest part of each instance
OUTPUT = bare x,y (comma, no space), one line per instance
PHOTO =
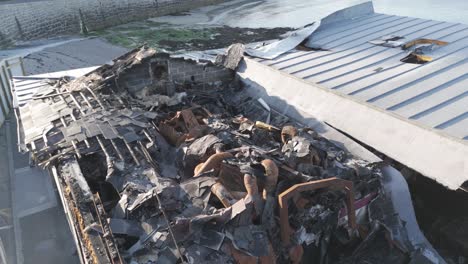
51,18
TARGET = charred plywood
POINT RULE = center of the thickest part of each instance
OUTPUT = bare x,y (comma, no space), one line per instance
159,168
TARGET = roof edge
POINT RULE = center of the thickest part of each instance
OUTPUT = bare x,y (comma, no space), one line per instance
351,12
436,155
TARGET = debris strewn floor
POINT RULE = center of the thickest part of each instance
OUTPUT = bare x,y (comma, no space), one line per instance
166,160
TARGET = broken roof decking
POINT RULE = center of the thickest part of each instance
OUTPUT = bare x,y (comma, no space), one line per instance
24,87
432,95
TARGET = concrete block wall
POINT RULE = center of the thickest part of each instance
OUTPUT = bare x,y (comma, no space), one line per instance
186,71
51,18
180,72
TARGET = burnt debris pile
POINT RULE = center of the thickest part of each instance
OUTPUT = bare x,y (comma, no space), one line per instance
165,160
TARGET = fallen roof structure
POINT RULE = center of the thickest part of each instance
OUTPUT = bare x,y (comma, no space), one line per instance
166,160
396,84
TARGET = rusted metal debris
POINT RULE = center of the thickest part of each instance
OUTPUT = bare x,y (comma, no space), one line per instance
209,176
329,183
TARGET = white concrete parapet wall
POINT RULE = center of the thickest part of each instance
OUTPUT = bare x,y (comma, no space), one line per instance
8,69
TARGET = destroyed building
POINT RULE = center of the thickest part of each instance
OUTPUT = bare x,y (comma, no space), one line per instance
168,160
220,156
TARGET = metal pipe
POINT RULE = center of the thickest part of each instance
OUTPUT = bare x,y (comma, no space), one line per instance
149,138
101,144
95,97
114,144
86,100
250,183
132,153
271,172
223,194
76,103
74,119
213,162
117,150
78,154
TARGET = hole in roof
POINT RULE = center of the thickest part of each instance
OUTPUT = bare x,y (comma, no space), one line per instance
421,50
391,41
302,46
416,58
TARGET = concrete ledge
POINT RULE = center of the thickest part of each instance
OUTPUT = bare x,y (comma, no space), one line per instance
433,154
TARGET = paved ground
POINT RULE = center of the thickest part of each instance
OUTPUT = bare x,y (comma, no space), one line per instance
71,55
6,234
32,219
17,1
38,219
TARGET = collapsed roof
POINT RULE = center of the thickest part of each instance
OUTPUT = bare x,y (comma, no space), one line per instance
165,160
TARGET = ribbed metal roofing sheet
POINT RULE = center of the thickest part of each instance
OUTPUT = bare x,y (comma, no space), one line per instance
24,87
434,94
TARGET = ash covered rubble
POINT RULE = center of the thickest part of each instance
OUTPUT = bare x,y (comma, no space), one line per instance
166,160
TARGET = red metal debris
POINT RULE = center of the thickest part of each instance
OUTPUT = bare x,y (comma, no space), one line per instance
271,172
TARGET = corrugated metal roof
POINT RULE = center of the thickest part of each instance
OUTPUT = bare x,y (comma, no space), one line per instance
24,87
434,94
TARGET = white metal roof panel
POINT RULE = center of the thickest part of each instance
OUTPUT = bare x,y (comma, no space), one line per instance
434,94
414,113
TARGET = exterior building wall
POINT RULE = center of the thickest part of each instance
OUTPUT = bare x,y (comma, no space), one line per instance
50,18
187,71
